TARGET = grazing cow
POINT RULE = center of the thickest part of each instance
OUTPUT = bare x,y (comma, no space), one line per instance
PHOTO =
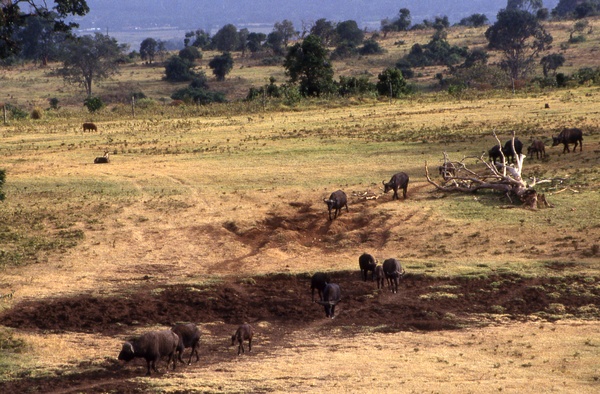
508,151
189,336
538,148
379,276
152,346
569,136
336,201
367,263
331,296
102,159
393,271
89,127
399,180
245,332
318,281
447,170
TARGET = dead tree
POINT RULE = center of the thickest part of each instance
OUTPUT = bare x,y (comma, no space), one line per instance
498,176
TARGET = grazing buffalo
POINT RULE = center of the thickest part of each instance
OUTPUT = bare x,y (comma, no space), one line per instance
538,148
336,201
151,346
245,332
510,153
331,296
189,336
318,281
379,276
392,271
495,153
569,136
399,180
89,126
367,263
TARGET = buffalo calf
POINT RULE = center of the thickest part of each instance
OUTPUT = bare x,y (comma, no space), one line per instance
245,332
379,276
538,148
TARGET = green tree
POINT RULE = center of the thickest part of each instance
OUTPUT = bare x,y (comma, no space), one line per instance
552,62
39,41
275,42
178,70
12,18
190,53
199,39
392,83
307,63
91,58
349,32
221,65
475,20
255,41
286,30
520,37
226,39
325,30
404,19
148,49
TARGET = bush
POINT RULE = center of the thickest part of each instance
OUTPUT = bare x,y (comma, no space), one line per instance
576,39
178,69
16,112
93,104
37,113
371,47
145,103
53,103
351,86
198,96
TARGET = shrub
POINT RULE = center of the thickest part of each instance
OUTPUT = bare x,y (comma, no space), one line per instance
145,103
371,47
37,113
93,104
16,112
576,39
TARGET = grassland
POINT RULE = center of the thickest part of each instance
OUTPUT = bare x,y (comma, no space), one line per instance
204,204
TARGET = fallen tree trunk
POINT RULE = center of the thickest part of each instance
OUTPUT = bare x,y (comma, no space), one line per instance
457,177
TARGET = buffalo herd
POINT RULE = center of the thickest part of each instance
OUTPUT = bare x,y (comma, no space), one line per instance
154,345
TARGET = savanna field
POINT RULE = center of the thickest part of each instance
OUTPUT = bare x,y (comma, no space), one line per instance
215,215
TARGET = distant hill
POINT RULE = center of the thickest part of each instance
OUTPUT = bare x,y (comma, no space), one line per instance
117,15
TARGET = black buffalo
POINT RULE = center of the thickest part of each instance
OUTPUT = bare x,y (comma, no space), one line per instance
245,332
398,181
393,271
151,346
318,281
331,296
367,263
336,201
189,336
569,136
379,276
495,153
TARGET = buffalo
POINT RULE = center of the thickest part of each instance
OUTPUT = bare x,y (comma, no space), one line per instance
379,276
398,181
393,271
89,126
569,136
538,148
331,296
447,170
151,346
336,201
189,336
367,263
245,332
495,153
318,281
